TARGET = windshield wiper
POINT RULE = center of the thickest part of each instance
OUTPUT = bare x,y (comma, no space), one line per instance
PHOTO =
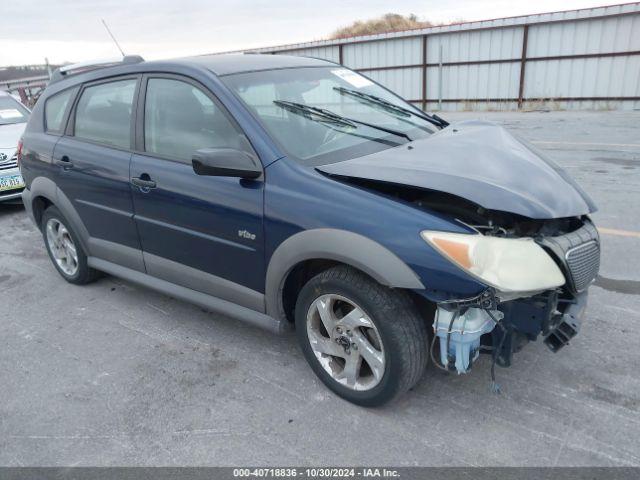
391,107
324,115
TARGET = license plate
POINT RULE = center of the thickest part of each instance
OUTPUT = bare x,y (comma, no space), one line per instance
10,182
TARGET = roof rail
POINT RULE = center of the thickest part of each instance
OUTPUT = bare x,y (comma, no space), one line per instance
82,67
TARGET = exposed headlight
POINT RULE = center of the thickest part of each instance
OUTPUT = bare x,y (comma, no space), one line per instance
508,264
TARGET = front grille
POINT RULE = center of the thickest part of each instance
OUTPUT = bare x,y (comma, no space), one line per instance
13,163
583,262
8,193
578,253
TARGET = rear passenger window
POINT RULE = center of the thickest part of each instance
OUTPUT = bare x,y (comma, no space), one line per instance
54,109
180,119
103,113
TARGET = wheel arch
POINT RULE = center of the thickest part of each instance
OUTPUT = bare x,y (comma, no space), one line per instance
38,205
41,194
311,251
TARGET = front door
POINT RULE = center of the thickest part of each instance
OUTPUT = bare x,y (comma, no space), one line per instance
201,232
93,162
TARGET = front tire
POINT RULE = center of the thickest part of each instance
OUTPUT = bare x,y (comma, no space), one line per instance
366,342
65,251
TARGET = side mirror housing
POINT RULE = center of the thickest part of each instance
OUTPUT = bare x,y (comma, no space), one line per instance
225,162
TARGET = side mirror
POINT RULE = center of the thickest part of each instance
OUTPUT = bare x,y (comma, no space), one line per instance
225,162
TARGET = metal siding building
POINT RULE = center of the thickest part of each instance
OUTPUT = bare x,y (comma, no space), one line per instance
578,59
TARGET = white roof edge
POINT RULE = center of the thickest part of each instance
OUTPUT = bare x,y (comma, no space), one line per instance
90,63
584,13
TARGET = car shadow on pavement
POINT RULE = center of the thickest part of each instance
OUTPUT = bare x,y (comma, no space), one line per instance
10,208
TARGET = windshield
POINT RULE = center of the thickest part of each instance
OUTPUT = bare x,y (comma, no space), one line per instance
11,111
325,115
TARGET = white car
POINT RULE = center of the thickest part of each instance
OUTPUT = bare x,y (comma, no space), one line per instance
13,119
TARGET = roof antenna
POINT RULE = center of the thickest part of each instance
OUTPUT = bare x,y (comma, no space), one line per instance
112,37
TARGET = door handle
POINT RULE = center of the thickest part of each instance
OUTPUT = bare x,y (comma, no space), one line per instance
64,162
144,182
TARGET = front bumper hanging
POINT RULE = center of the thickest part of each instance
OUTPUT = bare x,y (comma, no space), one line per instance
567,324
466,330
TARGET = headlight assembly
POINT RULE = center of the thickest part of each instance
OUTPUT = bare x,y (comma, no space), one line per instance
507,264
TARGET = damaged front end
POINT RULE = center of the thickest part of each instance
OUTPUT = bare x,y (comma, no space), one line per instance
523,300
520,228
464,329
537,272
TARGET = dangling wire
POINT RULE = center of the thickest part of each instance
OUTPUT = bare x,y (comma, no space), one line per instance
455,315
494,386
433,342
433,358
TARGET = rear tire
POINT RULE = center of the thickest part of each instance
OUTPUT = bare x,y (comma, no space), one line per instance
65,251
346,322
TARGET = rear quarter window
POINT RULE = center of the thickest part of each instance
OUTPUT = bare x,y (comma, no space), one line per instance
55,108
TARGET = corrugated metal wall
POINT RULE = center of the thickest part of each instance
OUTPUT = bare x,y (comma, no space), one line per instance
575,59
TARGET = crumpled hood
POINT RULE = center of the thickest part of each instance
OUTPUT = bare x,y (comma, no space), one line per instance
481,162
10,134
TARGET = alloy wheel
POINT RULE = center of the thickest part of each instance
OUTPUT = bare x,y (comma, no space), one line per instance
62,247
345,342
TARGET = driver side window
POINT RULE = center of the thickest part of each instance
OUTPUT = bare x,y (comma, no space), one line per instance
180,119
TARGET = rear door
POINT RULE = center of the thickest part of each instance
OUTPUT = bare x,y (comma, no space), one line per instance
201,232
93,161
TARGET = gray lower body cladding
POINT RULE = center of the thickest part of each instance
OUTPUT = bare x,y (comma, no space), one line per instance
209,302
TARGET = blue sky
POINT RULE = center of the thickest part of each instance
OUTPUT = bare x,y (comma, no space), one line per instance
70,30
